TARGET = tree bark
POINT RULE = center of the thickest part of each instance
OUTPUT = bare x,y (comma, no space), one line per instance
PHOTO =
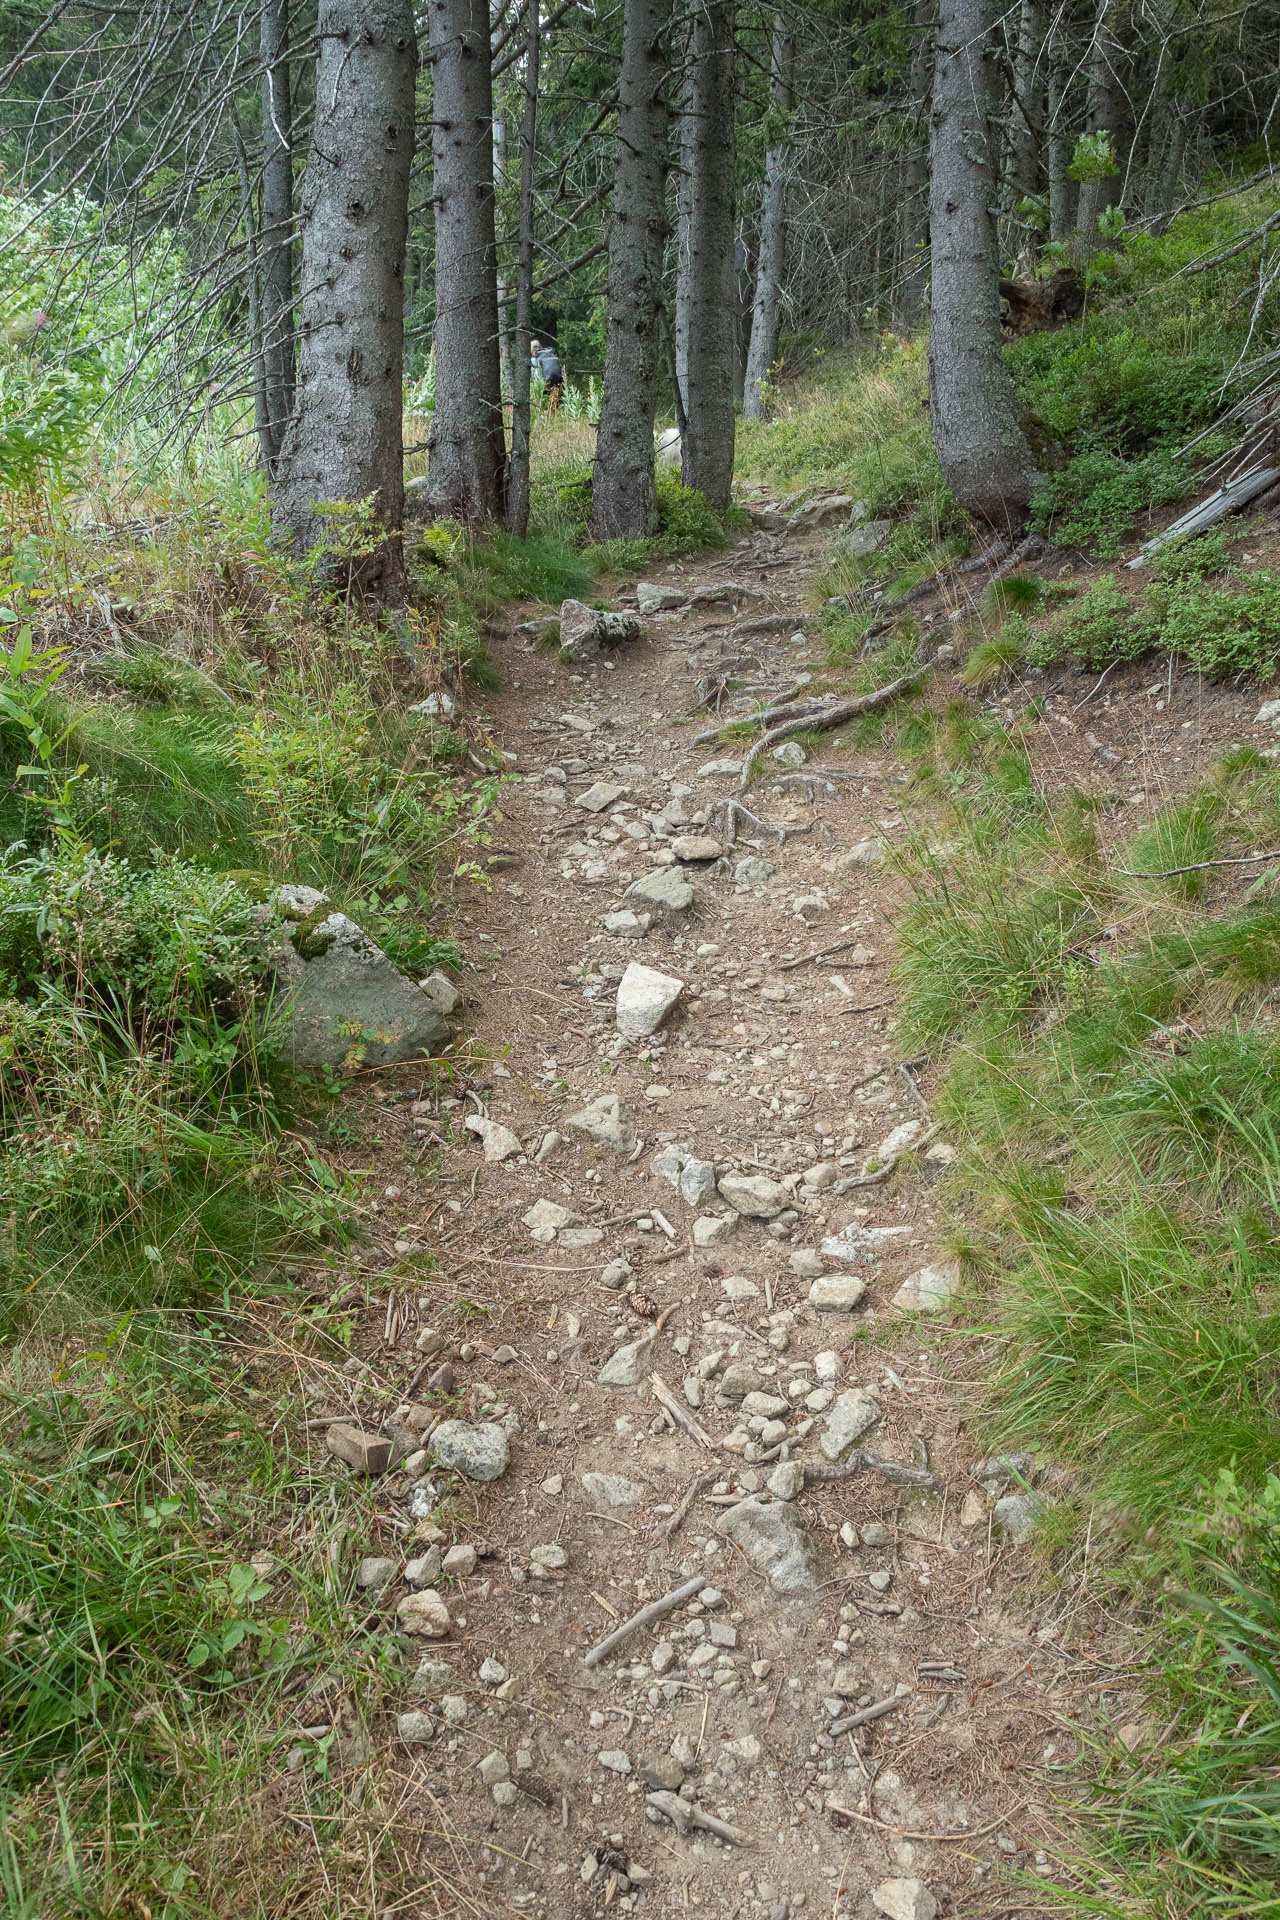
981,448
252,285
1103,110
1026,126
276,240
521,424
767,306
912,276
707,449
624,502
1061,185
466,475
344,441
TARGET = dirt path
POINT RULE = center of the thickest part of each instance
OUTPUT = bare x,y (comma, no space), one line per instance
850,1642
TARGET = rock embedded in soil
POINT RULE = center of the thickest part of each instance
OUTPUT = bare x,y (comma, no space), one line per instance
612,1489
904,1900
478,1453
645,998
344,997
667,891
864,853
499,1142
631,1365
625,925
928,1290
375,1572
1018,1514
755,1195
415,1727
607,1121
773,1538
363,1452
837,1293
852,1413
856,1242
696,847
545,1218
652,598
424,1614
586,631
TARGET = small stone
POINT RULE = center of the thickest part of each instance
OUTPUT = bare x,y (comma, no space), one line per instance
697,1181
904,1900
1268,714
454,1708
415,1727
819,1178
460,1561
736,1286
709,1229
660,1772
852,1413
505,1793
720,770
424,1614
789,754
805,1263
1018,1513
363,1452
615,1759
928,1290
376,1572
602,795
755,1195
440,991
721,1634
494,1768
631,1365
625,925
837,1293
616,1275
552,1558
478,1453
431,1674
612,1489
492,1672
645,998
696,847
746,1750
786,1482
499,1142
973,1509
864,853
545,1219
737,1381
607,1121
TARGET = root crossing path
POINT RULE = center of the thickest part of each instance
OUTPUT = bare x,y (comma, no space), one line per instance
744,1624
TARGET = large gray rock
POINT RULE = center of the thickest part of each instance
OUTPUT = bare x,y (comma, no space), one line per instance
630,1365
856,1242
862,541
772,1535
586,632
652,598
345,1001
929,1289
645,998
607,1121
754,1194
478,1453
667,891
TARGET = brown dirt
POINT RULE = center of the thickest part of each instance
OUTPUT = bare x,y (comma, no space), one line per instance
763,1066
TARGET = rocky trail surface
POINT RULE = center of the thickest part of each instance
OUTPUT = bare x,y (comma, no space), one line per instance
717,1604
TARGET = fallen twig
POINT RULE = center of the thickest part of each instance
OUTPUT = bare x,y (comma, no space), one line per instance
656,1610
865,1715
680,1414
699,1482
822,721
939,1839
819,953
1198,866
683,1815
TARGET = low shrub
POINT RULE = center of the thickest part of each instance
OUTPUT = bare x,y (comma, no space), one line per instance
1103,625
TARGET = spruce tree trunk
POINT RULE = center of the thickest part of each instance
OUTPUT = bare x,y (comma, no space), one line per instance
912,276
521,372
707,450
345,441
767,306
624,503
981,448
1061,185
1026,126
684,203
276,240
466,476
1103,111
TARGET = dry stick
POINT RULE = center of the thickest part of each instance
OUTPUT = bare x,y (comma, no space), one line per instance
867,1714
655,1610
819,953
682,1816
699,1482
681,1415
871,1463
830,717
1198,866
940,1839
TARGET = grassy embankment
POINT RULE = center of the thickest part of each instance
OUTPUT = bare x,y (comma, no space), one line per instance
1110,1043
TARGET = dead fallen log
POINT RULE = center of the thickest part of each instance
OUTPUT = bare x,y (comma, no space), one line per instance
1228,499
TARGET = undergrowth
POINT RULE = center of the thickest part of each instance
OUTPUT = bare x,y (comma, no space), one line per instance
1113,1060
